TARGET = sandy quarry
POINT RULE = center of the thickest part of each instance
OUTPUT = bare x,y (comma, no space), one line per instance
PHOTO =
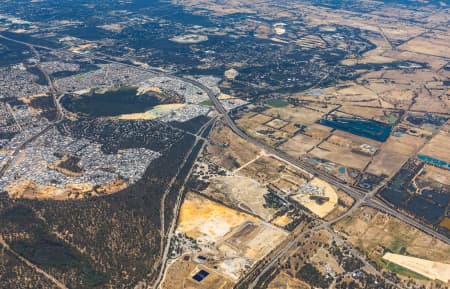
202,218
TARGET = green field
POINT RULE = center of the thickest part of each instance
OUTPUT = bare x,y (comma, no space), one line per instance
277,103
206,103
404,271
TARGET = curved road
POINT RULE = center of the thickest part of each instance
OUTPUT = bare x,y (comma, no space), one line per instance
361,198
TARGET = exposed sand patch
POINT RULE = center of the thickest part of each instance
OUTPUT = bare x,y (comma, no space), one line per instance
208,220
231,73
282,220
155,112
189,39
242,192
430,269
319,209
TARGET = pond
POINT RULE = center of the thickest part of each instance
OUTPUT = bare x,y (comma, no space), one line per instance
366,128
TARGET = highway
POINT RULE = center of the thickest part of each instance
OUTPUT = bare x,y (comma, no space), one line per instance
367,198
361,198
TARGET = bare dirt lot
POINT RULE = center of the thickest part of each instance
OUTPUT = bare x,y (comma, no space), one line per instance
438,147
179,276
230,238
229,150
393,153
341,154
432,270
320,208
201,218
240,192
373,232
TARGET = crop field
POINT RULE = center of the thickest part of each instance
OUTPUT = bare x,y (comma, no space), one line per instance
439,147
394,153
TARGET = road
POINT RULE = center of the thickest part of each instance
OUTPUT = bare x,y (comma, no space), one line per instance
53,90
55,281
170,233
361,198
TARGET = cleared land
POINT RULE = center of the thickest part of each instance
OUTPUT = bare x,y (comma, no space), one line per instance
208,220
240,192
374,232
232,240
438,147
321,207
430,269
229,150
393,153
179,276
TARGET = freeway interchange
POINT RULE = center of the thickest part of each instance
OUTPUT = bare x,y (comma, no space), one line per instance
251,280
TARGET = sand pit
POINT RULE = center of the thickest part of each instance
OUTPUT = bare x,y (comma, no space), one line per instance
157,111
201,218
429,269
282,221
232,240
189,39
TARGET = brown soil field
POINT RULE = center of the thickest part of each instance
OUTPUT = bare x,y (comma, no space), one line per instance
432,100
255,130
282,221
355,93
201,218
28,189
294,114
345,202
276,123
438,147
434,62
229,150
299,145
393,153
256,240
428,45
179,276
240,192
373,113
374,55
436,174
369,229
291,128
341,155
432,270
284,281
268,169
258,118
356,138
